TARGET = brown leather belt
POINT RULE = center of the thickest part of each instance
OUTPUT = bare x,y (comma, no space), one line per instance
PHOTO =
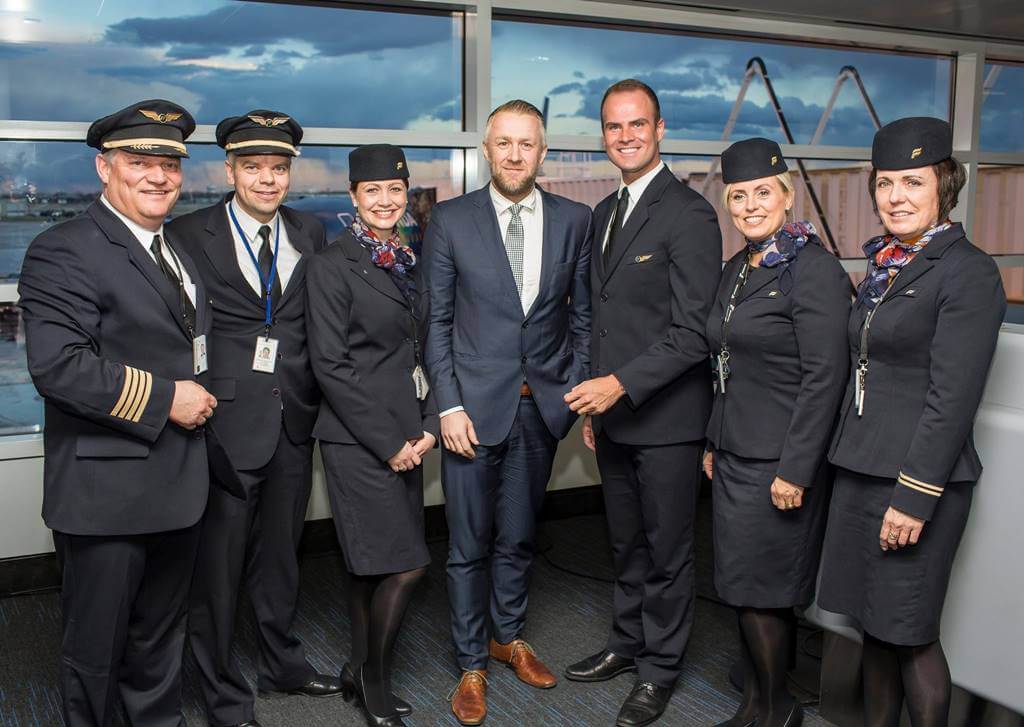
524,390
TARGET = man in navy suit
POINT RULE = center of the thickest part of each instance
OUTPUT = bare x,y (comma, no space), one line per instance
252,252
508,277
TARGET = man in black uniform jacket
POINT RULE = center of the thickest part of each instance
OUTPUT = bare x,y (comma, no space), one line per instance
252,254
114,318
654,273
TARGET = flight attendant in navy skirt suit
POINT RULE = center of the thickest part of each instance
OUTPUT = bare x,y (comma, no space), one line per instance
922,334
366,313
777,336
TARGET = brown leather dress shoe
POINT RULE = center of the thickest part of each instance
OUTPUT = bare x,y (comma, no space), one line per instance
469,698
520,656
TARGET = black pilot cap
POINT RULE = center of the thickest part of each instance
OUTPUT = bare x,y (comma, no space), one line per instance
916,141
752,159
376,162
155,127
260,132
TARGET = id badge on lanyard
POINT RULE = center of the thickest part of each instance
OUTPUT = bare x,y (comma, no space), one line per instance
264,357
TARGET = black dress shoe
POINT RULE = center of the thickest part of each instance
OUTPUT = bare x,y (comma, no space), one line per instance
375,720
645,704
600,667
322,685
352,691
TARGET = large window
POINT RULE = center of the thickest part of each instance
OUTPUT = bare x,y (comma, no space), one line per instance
699,79
1002,115
326,66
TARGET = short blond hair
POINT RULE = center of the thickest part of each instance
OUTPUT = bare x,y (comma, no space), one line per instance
518,106
785,181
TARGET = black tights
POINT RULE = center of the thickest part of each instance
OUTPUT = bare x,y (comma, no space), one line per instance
376,607
765,636
892,672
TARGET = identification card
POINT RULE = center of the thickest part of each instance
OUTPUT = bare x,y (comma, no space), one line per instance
199,361
264,358
420,380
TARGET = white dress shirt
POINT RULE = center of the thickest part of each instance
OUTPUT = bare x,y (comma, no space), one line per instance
636,189
287,255
532,215
145,238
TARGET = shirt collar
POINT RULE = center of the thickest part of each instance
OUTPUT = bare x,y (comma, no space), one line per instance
502,203
250,225
637,186
144,236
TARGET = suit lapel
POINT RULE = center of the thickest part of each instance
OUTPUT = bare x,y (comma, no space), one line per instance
553,235
924,260
120,235
638,218
202,310
602,215
220,249
300,241
377,279
490,236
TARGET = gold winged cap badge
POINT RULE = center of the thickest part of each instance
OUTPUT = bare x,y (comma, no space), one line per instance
164,118
264,121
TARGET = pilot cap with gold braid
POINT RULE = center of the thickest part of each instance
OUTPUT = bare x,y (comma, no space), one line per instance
155,127
260,132
916,141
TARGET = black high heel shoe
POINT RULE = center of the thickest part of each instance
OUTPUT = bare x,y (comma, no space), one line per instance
391,720
352,691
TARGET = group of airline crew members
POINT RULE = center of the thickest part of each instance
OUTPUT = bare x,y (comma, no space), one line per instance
835,424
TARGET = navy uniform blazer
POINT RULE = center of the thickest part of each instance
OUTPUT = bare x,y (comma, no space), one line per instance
249,416
929,349
106,342
788,359
481,348
651,307
363,339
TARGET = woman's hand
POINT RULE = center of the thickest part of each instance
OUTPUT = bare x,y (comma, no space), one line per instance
588,434
709,464
786,495
899,530
405,460
424,444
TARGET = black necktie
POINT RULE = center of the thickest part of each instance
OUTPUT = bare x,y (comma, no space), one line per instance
617,223
267,264
188,310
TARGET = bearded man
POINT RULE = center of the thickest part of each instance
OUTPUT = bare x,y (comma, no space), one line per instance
508,276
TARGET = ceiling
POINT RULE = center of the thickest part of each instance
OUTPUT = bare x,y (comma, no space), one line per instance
1000,20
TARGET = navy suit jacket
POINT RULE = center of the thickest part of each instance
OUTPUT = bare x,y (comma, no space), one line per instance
480,346
106,342
253,406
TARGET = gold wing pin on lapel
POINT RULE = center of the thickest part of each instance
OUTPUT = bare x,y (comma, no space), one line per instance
642,258
161,118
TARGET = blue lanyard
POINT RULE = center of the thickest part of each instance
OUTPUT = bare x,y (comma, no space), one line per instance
268,285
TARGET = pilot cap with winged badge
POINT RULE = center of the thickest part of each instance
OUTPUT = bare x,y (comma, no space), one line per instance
155,127
260,132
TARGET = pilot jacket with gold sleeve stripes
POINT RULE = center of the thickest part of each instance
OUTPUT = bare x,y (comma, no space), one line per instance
106,341
930,344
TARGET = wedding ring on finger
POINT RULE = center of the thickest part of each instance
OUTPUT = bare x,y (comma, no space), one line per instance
893,536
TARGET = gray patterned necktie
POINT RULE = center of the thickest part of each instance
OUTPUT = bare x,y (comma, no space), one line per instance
515,241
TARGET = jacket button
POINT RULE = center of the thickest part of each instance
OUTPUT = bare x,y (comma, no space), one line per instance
275,392
604,297
524,359
525,324
280,357
603,332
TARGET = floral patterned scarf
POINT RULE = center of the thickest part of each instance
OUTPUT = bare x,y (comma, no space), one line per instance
888,255
782,247
392,256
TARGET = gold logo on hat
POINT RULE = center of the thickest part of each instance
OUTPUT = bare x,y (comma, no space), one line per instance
165,118
263,121
775,160
399,165
917,152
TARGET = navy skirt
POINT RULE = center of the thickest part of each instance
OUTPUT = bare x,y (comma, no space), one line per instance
764,557
378,513
895,595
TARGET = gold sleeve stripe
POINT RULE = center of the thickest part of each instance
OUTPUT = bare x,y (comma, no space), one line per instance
143,398
129,380
138,385
924,487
